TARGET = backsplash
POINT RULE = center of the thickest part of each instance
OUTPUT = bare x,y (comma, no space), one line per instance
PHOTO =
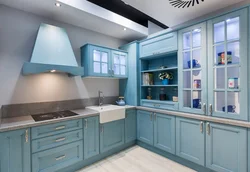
14,110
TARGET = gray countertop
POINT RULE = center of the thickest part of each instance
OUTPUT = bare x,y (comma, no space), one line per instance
15,123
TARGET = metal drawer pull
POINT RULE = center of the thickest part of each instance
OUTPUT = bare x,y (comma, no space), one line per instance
86,123
60,157
60,139
208,128
201,127
27,136
204,108
60,127
211,109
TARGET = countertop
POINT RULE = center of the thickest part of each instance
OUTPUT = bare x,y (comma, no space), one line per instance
15,123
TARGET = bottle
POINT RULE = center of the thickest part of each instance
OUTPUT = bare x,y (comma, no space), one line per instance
162,94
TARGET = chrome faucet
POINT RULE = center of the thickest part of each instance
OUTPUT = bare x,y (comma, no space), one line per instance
101,99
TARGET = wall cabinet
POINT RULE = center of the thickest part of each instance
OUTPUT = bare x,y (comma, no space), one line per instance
15,152
91,137
112,135
130,125
157,130
103,62
159,45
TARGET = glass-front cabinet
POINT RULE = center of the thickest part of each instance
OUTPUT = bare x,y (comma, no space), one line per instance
192,69
119,64
227,66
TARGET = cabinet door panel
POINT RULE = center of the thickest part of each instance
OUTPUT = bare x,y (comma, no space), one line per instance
164,132
119,64
190,140
15,151
91,137
130,126
145,127
226,148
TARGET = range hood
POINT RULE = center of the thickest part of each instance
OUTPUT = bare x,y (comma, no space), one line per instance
52,53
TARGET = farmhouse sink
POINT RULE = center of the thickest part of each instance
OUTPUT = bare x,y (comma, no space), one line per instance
109,113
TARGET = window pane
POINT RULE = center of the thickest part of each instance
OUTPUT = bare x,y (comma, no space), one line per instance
123,70
233,76
123,60
104,68
219,101
233,53
186,40
116,59
104,57
233,101
97,55
196,58
196,38
116,69
233,31
197,99
187,99
97,67
219,78
219,55
187,79
186,60
219,32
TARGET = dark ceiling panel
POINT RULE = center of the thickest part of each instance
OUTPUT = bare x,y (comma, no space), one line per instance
127,11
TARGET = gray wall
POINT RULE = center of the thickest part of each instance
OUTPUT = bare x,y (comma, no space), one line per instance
18,32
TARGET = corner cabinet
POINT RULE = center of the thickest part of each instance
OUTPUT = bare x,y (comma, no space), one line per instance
103,62
15,152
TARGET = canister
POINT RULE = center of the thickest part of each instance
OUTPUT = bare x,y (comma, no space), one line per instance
233,83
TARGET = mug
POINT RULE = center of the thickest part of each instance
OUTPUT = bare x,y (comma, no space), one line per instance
230,108
194,63
196,103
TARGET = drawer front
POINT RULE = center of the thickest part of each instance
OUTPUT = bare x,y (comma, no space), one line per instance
58,158
57,140
61,127
159,105
159,45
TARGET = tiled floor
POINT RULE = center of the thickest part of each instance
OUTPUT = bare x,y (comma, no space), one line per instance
136,159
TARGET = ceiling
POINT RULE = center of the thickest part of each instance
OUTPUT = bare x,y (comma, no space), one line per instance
171,16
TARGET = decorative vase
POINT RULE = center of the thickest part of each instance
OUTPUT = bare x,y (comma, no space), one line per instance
165,81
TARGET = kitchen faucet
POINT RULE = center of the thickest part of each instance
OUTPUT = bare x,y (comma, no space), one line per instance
101,99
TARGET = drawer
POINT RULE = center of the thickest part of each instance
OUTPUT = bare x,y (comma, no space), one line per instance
57,140
57,158
57,128
160,104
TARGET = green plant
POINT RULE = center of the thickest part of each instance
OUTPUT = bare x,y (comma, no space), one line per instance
165,75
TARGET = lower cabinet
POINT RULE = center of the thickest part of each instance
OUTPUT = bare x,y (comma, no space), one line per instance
15,153
226,148
190,140
112,135
91,137
157,130
130,126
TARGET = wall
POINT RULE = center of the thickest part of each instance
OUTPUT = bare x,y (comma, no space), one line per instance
18,32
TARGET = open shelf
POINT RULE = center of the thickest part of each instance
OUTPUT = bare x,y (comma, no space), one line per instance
172,85
160,70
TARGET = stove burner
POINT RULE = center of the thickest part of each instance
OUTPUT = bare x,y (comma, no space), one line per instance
53,115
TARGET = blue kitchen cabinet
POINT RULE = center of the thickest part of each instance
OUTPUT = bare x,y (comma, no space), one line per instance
130,125
112,135
190,140
15,152
192,64
228,66
226,148
103,62
91,137
159,45
145,127
164,132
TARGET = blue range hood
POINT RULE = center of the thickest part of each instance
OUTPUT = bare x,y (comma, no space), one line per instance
52,53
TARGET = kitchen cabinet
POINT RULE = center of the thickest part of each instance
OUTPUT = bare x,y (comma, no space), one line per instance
190,140
227,66
157,130
112,135
91,137
15,152
103,62
159,45
130,125
226,148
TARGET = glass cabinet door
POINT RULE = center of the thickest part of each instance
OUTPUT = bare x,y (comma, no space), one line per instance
192,69
119,66
227,66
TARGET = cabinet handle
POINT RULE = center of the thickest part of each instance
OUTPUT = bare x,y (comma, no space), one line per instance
211,109
204,108
86,123
27,136
208,128
60,127
60,157
201,127
155,116
60,139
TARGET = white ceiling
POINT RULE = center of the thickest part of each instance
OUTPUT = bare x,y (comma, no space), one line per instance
83,14
171,16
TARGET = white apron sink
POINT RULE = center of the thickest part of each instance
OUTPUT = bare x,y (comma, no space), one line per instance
109,113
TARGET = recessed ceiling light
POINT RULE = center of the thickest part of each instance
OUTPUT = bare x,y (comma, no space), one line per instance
124,28
57,4
52,71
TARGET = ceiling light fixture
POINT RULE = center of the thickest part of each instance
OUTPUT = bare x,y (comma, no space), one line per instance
124,28
52,71
184,3
57,4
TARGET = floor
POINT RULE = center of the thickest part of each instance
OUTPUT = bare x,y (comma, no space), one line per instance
136,159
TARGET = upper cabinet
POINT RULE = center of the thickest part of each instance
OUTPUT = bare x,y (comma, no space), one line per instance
103,62
227,66
192,64
159,45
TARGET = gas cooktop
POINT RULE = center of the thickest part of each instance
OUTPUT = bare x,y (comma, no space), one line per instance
53,115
